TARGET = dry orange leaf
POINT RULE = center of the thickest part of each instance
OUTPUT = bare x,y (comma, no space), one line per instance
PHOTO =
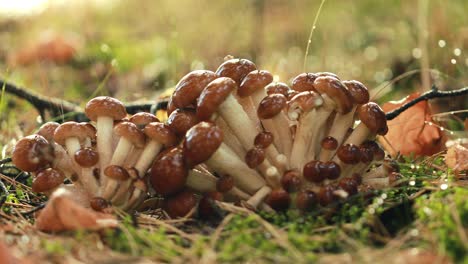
457,157
63,212
411,131
5,255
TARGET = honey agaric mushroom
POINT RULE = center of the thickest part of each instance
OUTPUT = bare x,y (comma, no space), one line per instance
104,110
142,119
181,120
160,135
130,136
47,130
189,88
203,143
32,153
137,196
47,180
236,69
116,175
169,173
181,204
373,122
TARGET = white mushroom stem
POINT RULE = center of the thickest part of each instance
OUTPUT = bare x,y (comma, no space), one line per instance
123,191
235,117
104,132
270,173
203,182
225,161
338,131
121,152
133,157
250,110
360,134
136,198
307,136
63,162
259,196
150,152
230,138
110,188
87,174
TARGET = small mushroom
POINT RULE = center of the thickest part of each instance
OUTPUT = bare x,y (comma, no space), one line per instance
32,153
180,204
116,175
169,173
47,180
189,88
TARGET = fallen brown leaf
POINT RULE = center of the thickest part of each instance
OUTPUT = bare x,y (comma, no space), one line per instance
411,132
5,255
63,212
457,158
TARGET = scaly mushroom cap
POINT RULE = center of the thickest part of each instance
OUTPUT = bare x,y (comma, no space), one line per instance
142,119
254,157
304,82
32,153
117,173
181,120
278,88
329,74
335,89
349,154
169,173
161,133
190,86
89,129
47,180
271,106
180,204
213,95
131,132
236,69
105,106
263,139
201,141
72,129
358,91
303,102
306,200
373,117
47,130
86,157
254,81
225,183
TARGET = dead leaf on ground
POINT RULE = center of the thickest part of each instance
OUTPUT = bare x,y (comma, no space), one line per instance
411,132
457,158
62,212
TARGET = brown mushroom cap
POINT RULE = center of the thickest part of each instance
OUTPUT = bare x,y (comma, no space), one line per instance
331,170
86,157
304,102
279,200
367,154
142,119
236,69
349,154
304,82
291,181
213,95
206,209
255,80
278,88
271,106
161,133
330,74
131,132
47,130
170,106
225,183
254,157
349,184
190,86
314,171
335,89
180,204
99,204
306,200
105,106
263,139
326,195
72,129
329,143
373,117
117,173
180,121
47,180
168,173
201,141
358,91
32,153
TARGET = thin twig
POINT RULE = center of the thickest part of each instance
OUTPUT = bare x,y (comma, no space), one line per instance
433,93
32,211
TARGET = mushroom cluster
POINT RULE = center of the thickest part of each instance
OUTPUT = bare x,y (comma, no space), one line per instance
233,135
247,139
105,161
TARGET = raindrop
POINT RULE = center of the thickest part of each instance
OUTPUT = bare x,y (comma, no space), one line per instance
384,196
417,53
442,43
412,183
443,186
453,61
457,52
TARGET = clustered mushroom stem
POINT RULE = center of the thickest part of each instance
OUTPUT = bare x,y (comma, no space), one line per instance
259,196
250,110
338,131
225,161
133,157
230,138
360,134
121,151
104,128
150,151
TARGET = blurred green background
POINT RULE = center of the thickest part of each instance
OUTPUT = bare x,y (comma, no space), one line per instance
135,49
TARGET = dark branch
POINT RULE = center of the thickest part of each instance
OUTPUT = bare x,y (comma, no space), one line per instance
433,93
